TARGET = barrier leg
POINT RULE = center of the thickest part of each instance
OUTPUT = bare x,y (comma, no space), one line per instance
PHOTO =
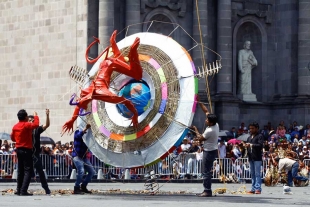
100,175
14,176
73,174
127,174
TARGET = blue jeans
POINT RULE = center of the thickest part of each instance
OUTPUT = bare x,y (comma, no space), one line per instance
80,165
294,174
191,165
255,169
207,163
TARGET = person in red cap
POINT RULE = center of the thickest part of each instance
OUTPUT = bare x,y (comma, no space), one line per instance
22,135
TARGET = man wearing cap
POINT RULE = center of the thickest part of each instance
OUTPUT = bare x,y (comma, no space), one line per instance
299,146
305,152
185,145
5,150
222,149
303,140
22,135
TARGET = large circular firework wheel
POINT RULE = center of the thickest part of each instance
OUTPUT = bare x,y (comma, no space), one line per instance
168,71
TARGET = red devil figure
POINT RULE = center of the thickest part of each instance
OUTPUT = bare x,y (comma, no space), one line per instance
99,87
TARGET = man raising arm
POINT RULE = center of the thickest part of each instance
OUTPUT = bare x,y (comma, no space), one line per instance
210,149
37,150
202,106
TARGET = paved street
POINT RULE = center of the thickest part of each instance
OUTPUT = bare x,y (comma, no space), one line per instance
271,196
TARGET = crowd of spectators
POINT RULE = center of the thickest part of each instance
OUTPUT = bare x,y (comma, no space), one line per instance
7,147
185,161
293,137
7,163
56,160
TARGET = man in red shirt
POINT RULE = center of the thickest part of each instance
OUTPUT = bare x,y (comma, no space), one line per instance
22,135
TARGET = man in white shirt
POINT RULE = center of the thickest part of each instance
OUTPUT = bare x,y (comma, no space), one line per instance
236,151
185,145
292,167
222,149
210,149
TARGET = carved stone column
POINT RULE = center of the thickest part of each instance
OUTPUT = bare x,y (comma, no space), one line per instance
133,16
203,18
106,22
92,27
303,49
224,47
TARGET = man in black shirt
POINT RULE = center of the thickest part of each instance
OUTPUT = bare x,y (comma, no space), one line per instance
255,146
37,150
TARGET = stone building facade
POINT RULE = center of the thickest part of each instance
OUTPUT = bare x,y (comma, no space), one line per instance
42,39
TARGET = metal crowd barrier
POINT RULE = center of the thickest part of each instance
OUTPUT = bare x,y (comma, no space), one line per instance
181,166
238,170
7,165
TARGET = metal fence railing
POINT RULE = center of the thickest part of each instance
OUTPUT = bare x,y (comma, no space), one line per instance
60,166
7,165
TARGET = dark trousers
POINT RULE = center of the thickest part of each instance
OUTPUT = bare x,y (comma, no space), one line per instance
25,168
207,163
39,169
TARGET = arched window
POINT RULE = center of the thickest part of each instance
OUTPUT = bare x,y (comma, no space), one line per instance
161,21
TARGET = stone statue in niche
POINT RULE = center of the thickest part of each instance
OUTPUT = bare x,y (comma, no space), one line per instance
246,62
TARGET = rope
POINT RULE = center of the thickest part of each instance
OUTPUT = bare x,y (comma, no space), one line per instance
218,190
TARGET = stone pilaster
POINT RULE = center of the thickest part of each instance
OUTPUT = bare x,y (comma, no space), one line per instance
224,47
106,22
286,22
203,19
92,27
303,48
133,16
